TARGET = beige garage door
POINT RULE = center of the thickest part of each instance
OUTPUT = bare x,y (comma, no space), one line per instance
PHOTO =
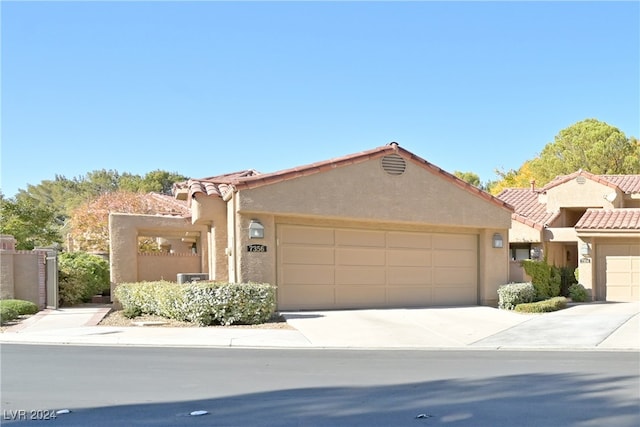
621,264
326,268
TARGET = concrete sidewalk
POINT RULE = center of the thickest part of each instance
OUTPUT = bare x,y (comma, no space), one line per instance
596,326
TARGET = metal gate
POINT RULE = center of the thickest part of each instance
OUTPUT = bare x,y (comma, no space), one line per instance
51,282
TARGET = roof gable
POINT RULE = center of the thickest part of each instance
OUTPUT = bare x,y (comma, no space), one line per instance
258,180
625,183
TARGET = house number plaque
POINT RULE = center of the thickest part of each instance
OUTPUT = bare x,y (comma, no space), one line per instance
256,248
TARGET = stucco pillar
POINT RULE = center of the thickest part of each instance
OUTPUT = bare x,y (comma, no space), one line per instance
586,265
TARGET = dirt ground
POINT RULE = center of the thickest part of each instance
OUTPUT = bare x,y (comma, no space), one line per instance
116,318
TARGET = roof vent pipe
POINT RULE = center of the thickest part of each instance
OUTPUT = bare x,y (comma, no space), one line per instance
533,184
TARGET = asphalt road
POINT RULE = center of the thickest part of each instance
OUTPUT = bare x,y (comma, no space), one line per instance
118,386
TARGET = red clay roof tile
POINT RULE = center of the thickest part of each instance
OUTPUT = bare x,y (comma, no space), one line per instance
610,219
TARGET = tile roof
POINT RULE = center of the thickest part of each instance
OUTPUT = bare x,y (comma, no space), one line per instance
168,205
629,184
626,183
217,185
243,180
610,219
528,210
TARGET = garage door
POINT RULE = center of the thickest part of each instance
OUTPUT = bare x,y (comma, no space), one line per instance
621,265
327,268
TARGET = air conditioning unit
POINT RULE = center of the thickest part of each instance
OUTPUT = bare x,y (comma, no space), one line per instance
191,277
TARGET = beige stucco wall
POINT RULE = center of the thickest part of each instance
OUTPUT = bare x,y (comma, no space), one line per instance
590,194
28,270
6,275
520,232
364,196
364,191
167,266
211,211
124,230
22,276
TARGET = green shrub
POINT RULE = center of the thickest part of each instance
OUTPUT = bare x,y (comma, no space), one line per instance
20,306
552,304
546,279
578,293
204,303
7,314
226,304
515,293
80,276
568,278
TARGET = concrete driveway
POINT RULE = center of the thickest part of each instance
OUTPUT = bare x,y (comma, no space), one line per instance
581,326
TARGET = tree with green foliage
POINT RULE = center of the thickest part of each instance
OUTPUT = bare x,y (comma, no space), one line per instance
64,195
590,145
469,177
80,276
31,225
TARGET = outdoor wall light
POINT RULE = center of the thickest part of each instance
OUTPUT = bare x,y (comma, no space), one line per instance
585,249
256,230
497,241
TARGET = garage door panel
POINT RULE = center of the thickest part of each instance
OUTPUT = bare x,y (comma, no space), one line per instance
372,257
454,276
406,296
306,235
452,295
308,255
408,240
409,276
449,258
454,241
362,238
357,297
308,275
360,276
621,275
305,297
409,258
374,268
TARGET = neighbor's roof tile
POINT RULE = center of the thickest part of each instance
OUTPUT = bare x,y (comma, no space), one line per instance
528,210
168,205
610,219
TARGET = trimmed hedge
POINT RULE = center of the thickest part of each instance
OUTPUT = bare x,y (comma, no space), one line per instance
512,294
11,309
546,306
203,303
21,306
578,293
7,314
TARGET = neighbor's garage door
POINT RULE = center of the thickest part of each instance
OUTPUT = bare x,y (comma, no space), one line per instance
326,268
621,271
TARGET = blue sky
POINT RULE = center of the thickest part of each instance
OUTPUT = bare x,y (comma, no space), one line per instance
204,88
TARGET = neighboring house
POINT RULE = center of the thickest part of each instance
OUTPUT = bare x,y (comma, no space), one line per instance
585,221
379,228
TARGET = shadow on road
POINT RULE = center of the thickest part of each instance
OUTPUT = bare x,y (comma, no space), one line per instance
516,400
